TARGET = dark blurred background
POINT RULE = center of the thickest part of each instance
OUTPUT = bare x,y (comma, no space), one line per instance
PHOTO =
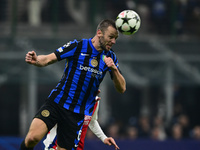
161,64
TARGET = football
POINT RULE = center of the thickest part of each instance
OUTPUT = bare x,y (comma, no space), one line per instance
128,22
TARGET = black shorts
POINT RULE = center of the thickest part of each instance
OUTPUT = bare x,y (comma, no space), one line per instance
69,123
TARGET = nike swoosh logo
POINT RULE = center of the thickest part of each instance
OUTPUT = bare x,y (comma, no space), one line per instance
84,54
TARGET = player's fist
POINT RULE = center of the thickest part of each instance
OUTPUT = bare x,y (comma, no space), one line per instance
31,57
109,62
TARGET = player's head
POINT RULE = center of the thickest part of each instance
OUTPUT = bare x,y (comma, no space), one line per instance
107,33
104,24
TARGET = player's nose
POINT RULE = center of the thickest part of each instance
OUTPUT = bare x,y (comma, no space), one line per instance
113,41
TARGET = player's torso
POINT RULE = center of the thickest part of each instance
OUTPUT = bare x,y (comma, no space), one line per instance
82,77
86,64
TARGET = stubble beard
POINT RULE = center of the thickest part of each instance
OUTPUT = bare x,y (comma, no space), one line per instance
102,43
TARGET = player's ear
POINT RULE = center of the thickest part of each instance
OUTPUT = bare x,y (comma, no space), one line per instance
99,33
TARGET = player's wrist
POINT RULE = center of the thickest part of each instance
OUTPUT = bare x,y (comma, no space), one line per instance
103,138
36,63
114,68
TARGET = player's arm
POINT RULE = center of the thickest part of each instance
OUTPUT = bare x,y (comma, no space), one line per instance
118,79
40,60
96,129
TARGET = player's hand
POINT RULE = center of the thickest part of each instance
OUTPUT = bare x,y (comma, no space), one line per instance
109,62
31,57
110,141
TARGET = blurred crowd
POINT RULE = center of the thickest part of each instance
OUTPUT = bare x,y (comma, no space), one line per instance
151,120
174,17
183,123
152,128
164,17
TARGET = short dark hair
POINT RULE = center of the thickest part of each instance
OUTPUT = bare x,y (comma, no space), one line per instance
104,24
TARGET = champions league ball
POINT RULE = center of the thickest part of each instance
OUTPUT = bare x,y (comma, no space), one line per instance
128,22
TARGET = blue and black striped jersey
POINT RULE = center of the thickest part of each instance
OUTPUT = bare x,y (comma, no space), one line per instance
84,71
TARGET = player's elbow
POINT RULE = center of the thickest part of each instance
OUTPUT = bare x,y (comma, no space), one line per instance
122,90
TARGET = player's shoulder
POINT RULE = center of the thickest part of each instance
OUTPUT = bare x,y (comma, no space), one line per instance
79,41
72,43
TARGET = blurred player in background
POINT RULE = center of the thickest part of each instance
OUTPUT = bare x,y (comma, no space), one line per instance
51,141
87,62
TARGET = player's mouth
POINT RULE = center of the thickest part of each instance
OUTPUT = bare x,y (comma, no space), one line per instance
109,46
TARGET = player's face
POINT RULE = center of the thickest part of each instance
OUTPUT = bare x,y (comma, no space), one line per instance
108,38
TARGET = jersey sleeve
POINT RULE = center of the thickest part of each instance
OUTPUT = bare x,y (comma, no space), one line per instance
67,50
115,60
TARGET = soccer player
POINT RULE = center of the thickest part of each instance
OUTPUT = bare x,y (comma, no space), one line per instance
87,62
51,141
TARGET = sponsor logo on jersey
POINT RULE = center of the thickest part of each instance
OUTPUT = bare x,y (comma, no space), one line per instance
85,68
45,113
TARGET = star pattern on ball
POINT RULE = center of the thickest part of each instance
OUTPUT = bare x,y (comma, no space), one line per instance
128,22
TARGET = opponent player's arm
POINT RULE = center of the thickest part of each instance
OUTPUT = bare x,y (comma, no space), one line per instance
118,79
96,129
94,126
40,60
